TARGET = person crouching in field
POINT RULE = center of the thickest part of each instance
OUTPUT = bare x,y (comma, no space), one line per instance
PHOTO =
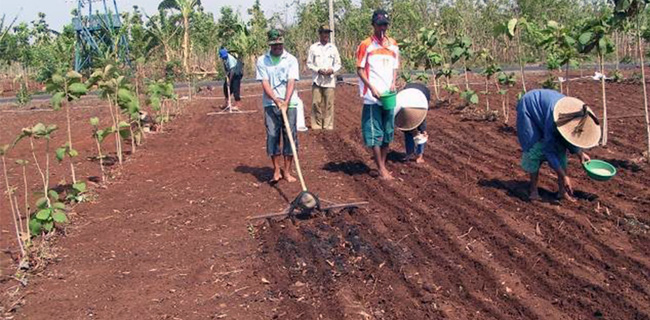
377,65
278,71
411,118
549,124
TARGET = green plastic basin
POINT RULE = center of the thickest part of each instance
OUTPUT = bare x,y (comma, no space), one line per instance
388,100
599,170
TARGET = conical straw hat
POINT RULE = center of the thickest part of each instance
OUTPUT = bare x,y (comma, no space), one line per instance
577,124
411,109
408,119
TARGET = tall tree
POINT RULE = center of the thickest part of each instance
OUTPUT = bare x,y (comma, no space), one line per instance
186,7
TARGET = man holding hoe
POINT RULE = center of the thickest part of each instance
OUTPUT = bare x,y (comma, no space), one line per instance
377,65
234,69
549,124
278,71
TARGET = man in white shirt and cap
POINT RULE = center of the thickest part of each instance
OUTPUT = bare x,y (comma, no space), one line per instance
324,61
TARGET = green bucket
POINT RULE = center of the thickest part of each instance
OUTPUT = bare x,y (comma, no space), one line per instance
388,100
599,170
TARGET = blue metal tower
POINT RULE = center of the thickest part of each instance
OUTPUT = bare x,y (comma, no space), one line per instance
96,32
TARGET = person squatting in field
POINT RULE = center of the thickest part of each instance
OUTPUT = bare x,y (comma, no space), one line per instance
549,124
377,66
411,118
278,72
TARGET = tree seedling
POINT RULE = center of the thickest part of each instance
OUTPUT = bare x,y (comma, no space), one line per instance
50,210
504,83
99,135
68,88
595,35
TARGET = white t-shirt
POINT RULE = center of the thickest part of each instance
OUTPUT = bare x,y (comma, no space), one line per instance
379,61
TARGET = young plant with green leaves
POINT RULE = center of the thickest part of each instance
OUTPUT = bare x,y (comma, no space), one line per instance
491,68
65,90
512,32
99,135
160,93
23,95
50,209
430,44
461,50
116,89
595,36
448,72
505,81
560,45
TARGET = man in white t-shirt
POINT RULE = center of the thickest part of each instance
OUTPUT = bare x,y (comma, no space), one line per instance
278,71
377,67
324,61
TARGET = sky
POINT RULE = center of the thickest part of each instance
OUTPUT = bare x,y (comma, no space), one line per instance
58,11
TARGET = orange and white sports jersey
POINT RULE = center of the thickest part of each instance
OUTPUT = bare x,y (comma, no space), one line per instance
379,61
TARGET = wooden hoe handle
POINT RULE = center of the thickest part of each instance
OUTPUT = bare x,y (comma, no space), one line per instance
293,148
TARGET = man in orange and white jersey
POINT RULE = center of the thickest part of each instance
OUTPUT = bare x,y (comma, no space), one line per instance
377,67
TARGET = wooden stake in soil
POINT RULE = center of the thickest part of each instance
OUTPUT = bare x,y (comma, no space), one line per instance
602,84
645,90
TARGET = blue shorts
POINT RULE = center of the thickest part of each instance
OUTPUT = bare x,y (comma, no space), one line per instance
275,131
377,125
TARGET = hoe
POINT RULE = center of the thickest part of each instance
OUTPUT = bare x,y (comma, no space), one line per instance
229,109
306,203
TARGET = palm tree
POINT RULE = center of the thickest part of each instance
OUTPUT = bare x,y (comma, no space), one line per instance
186,7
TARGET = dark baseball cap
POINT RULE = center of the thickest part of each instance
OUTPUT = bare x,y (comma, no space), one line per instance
324,28
380,17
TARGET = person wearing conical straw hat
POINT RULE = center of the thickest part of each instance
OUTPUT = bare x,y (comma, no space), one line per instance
411,118
548,125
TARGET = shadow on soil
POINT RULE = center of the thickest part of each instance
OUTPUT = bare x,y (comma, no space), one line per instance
262,174
624,164
519,189
351,168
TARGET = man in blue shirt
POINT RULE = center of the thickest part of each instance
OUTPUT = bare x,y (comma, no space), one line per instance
278,71
234,72
549,124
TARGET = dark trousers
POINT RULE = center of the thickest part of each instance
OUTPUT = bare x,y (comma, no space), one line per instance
235,85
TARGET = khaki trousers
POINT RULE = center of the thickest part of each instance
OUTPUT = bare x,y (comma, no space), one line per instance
322,108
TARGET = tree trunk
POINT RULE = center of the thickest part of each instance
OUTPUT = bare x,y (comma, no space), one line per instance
645,90
602,85
566,77
67,115
186,42
616,43
465,72
14,215
521,63
435,88
26,201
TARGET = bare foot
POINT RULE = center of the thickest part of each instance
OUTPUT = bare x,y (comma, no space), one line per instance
287,176
276,177
566,196
385,175
419,159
